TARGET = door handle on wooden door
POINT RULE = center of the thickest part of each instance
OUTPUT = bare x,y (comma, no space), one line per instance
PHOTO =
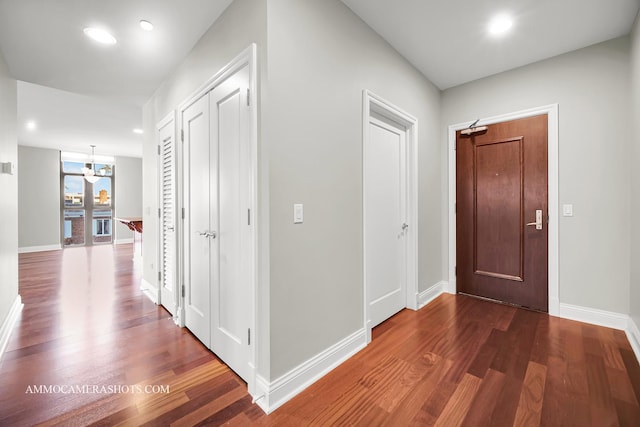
538,222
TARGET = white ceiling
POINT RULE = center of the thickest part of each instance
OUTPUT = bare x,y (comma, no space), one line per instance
448,41
43,42
98,90
71,122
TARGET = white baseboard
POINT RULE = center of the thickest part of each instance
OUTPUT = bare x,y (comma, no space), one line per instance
428,295
633,335
123,241
9,322
594,316
150,291
449,287
608,319
29,249
272,395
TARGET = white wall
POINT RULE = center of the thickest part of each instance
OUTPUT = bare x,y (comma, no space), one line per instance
635,173
128,194
320,58
9,189
310,150
38,197
591,86
242,23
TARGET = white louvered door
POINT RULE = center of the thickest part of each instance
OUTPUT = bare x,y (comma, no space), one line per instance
168,223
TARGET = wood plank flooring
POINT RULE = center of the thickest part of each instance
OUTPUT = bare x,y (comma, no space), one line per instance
458,361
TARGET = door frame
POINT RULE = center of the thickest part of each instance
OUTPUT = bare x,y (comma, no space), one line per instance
372,103
552,146
248,57
168,120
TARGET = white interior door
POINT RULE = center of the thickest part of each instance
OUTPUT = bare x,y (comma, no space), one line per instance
385,219
168,244
231,296
197,228
218,234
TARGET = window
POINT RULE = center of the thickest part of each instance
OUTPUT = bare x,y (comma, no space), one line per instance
87,209
73,191
103,227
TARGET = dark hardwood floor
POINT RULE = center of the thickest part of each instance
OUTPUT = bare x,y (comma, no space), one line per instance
86,330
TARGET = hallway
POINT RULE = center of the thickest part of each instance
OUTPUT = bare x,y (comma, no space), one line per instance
91,349
85,323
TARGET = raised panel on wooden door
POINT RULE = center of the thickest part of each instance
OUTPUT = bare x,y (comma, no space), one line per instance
385,176
498,204
197,227
231,296
168,255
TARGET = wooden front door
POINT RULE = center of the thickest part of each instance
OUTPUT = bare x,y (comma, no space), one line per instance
502,212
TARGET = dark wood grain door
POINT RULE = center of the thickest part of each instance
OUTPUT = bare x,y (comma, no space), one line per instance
502,211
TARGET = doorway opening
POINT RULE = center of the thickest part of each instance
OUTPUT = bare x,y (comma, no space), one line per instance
218,235
390,226
551,112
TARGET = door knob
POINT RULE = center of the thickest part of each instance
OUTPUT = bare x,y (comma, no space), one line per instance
405,226
538,222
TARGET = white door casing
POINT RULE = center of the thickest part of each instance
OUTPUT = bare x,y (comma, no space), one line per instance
390,226
168,259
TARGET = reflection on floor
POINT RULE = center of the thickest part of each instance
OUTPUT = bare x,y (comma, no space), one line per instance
458,361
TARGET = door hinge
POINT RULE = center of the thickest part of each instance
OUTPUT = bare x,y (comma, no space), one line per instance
182,213
158,150
455,208
455,270
159,213
248,97
183,291
248,216
159,276
182,135
249,336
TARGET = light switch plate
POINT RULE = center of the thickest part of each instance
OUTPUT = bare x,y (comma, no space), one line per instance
298,213
567,210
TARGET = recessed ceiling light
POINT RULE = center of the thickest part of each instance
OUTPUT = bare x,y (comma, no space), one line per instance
31,125
146,25
101,36
138,131
500,24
